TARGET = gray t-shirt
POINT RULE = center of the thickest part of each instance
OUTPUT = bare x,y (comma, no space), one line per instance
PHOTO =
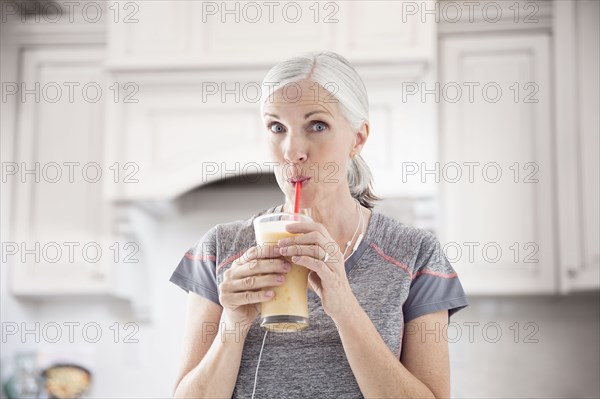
397,273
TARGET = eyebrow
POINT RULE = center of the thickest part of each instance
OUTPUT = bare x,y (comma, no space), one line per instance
305,116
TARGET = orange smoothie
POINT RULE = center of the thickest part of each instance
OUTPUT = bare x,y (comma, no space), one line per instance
288,310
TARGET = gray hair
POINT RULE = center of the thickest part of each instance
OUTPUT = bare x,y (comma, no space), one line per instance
331,69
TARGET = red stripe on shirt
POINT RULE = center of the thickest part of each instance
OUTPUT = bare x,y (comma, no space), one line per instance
389,258
406,269
437,274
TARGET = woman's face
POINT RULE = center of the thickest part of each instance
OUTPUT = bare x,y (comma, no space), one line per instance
309,137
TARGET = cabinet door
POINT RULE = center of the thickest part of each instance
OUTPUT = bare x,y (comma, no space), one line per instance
58,213
197,34
577,125
587,277
496,173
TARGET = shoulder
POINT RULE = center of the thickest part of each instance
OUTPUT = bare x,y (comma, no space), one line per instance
391,234
233,231
229,239
401,242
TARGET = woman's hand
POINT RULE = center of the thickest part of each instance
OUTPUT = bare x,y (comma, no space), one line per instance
258,268
327,279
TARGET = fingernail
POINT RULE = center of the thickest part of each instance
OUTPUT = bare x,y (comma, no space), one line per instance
287,266
280,278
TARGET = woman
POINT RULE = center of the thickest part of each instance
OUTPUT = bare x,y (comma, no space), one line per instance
380,303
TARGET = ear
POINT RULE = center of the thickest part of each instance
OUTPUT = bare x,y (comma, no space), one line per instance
360,138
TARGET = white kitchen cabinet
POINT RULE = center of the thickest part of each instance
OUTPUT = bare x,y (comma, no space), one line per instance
199,34
66,240
59,142
497,169
544,57
578,150
185,130
195,115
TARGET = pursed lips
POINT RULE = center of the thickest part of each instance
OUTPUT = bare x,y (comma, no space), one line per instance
303,179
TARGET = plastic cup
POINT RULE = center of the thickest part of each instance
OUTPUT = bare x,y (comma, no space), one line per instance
287,311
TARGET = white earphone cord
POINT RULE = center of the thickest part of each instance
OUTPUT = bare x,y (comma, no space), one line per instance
360,236
258,364
360,222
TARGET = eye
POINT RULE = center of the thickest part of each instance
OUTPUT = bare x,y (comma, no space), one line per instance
276,127
319,126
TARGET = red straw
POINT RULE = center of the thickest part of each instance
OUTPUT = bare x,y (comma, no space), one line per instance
297,197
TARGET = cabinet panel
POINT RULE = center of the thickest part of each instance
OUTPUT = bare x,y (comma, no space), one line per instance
402,134
59,200
235,43
207,33
181,138
496,169
64,232
59,140
576,59
589,87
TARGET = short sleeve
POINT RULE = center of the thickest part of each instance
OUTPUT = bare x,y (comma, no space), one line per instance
196,271
435,285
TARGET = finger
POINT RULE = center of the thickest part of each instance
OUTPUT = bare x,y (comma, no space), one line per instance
252,283
304,227
247,256
267,251
315,251
257,252
315,283
315,237
314,265
245,298
307,238
258,266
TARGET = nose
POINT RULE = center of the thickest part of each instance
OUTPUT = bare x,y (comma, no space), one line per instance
295,150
